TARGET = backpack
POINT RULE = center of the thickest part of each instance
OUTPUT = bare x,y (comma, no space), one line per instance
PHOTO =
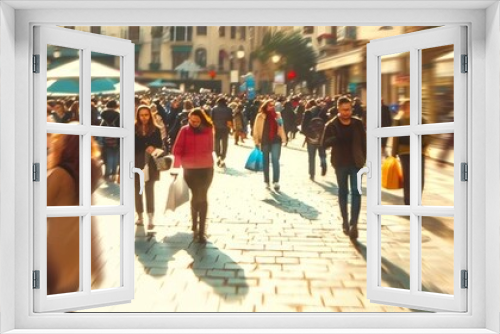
314,130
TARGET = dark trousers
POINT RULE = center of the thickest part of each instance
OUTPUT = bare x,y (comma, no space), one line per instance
149,190
405,166
199,181
221,139
311,152
344,175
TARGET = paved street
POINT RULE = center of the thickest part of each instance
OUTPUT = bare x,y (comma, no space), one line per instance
274,252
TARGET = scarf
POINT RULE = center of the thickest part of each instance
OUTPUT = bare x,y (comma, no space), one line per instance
273,125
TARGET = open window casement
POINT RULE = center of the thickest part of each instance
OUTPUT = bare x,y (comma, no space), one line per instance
440,43
63,233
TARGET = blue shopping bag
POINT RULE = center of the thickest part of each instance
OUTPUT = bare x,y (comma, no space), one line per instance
255,161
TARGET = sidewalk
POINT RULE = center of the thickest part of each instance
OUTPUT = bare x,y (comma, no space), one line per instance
268,251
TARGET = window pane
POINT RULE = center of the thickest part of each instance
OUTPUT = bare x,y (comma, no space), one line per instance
438,169
105,83
395,265
106,170
63,170
437,254
106,255
394,189
63,255
63,85
437,84
395,89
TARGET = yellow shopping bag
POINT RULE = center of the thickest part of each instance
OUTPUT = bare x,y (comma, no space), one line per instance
392,175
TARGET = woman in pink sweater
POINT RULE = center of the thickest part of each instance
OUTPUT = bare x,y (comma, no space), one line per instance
193,151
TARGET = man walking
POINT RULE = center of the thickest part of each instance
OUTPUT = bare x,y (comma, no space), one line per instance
222,116
347,138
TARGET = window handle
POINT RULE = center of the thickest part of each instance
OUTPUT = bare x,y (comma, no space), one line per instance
133,170
365,170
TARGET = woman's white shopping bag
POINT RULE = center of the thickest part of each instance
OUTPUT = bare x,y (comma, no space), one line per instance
178,193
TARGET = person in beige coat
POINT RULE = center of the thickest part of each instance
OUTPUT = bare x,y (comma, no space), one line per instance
269,135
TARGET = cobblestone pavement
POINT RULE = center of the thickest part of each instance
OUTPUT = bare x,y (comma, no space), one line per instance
270,251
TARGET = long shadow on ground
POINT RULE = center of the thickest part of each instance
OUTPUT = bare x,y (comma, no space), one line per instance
289,204
210,264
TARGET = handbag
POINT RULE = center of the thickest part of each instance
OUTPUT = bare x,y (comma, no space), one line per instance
178,193
392,174
255,161
162,160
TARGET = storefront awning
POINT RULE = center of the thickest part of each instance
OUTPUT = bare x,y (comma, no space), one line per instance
182,48
344,59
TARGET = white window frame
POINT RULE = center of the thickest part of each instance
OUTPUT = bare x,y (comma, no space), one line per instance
85,43
483,292
415,43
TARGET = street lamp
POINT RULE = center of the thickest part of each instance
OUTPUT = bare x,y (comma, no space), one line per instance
276,59
240,54
57,53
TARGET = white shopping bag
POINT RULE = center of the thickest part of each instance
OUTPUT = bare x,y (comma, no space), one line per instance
178,193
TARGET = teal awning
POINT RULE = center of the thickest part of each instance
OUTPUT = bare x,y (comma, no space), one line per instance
182,48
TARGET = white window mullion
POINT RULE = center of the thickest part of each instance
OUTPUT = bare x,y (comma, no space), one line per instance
414,169
85,165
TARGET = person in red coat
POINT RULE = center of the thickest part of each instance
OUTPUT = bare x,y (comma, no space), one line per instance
193,152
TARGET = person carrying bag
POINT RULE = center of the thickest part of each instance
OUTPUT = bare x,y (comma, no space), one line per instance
193,152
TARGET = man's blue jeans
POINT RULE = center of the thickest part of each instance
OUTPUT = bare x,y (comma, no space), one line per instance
343,176
274,150
311,151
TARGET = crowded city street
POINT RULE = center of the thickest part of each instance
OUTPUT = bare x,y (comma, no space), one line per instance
270,251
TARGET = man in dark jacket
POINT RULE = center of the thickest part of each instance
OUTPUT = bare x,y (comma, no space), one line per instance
347,138
222,116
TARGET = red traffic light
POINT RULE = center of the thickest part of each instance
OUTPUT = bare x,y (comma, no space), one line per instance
291,75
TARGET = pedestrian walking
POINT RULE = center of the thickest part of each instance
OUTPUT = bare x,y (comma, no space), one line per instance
181,119
289,120
147,139
347,138
238,124
193,151
59,113
386,121
111,146
63,233
313,125
222,117
269,135
401,148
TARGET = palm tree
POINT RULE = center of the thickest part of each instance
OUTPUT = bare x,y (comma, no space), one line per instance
295,51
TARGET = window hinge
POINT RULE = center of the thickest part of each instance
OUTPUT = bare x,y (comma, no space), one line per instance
465,64
36,63
36,172
464,279
36,279
464,172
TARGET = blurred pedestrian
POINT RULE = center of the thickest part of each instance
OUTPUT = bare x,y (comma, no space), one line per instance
181,119
222,117
110,145
386,121
63,236
147,139
347,138
313,125
59,113
193,151
238,123
289,120
269,135
401,148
